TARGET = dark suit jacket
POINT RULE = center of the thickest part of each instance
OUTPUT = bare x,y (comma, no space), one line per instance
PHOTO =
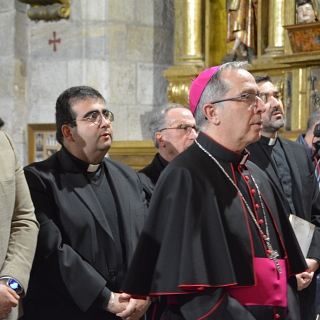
305,190
76,255
151,173
305,196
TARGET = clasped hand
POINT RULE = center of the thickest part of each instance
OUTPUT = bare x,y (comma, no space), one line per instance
305,278
128,308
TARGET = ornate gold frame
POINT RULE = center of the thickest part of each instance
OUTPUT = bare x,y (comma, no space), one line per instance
38,146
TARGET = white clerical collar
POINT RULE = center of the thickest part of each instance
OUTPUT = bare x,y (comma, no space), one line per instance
93,167
244,158
273,141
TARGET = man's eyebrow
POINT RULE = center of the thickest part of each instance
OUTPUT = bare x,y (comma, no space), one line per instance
89,113
248,90
270,92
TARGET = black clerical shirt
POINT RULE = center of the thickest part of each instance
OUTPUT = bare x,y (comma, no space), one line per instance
103,189
274,150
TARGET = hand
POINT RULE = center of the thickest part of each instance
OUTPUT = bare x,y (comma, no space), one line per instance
312,264
304,279
136,308
8,300
120,303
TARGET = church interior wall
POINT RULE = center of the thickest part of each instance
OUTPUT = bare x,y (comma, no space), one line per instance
119,47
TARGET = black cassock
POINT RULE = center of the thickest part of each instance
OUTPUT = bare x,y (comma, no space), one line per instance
199,239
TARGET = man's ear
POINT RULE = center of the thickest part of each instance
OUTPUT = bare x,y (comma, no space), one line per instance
67,133
211,111
159,138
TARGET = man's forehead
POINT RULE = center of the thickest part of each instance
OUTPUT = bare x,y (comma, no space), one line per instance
239,80
267,87
178,113
89,104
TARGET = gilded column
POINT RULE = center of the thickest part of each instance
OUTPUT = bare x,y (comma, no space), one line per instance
275,30
191,18
188,49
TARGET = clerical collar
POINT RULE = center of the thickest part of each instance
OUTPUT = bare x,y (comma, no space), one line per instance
245,155
93,167
83,165
221,152
268,141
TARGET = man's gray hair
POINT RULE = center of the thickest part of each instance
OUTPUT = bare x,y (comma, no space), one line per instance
159,119
215,89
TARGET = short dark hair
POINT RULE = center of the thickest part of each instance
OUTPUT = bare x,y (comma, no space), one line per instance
1,123
71,96
264,78
314,118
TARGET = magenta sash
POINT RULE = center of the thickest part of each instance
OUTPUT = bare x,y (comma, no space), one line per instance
270,288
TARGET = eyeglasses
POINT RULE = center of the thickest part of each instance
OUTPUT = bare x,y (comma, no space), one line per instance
96,117
250,98
184,128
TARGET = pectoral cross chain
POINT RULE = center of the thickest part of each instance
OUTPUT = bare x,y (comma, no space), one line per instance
272,255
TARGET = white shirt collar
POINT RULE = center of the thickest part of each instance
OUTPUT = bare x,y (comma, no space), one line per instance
93,167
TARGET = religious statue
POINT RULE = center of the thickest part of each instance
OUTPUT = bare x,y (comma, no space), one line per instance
305,11
242,29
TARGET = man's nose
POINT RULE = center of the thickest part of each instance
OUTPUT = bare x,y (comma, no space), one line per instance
274,102
259,106
105,121
193,134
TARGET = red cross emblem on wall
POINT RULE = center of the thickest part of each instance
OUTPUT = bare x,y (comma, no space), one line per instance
54,41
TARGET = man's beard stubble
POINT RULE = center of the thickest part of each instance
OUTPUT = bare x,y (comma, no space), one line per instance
272,126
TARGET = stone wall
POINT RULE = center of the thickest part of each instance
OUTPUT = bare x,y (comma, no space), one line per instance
119,47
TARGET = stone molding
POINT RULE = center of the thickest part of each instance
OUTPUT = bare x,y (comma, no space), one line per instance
48,10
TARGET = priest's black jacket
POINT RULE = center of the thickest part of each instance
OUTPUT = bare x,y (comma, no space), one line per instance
305,197
305,190
198,238
76,256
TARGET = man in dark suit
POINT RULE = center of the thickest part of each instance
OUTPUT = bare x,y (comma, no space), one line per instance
289,166
91,211
173,130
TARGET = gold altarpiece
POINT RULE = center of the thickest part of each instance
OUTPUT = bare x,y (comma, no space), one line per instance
200,42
